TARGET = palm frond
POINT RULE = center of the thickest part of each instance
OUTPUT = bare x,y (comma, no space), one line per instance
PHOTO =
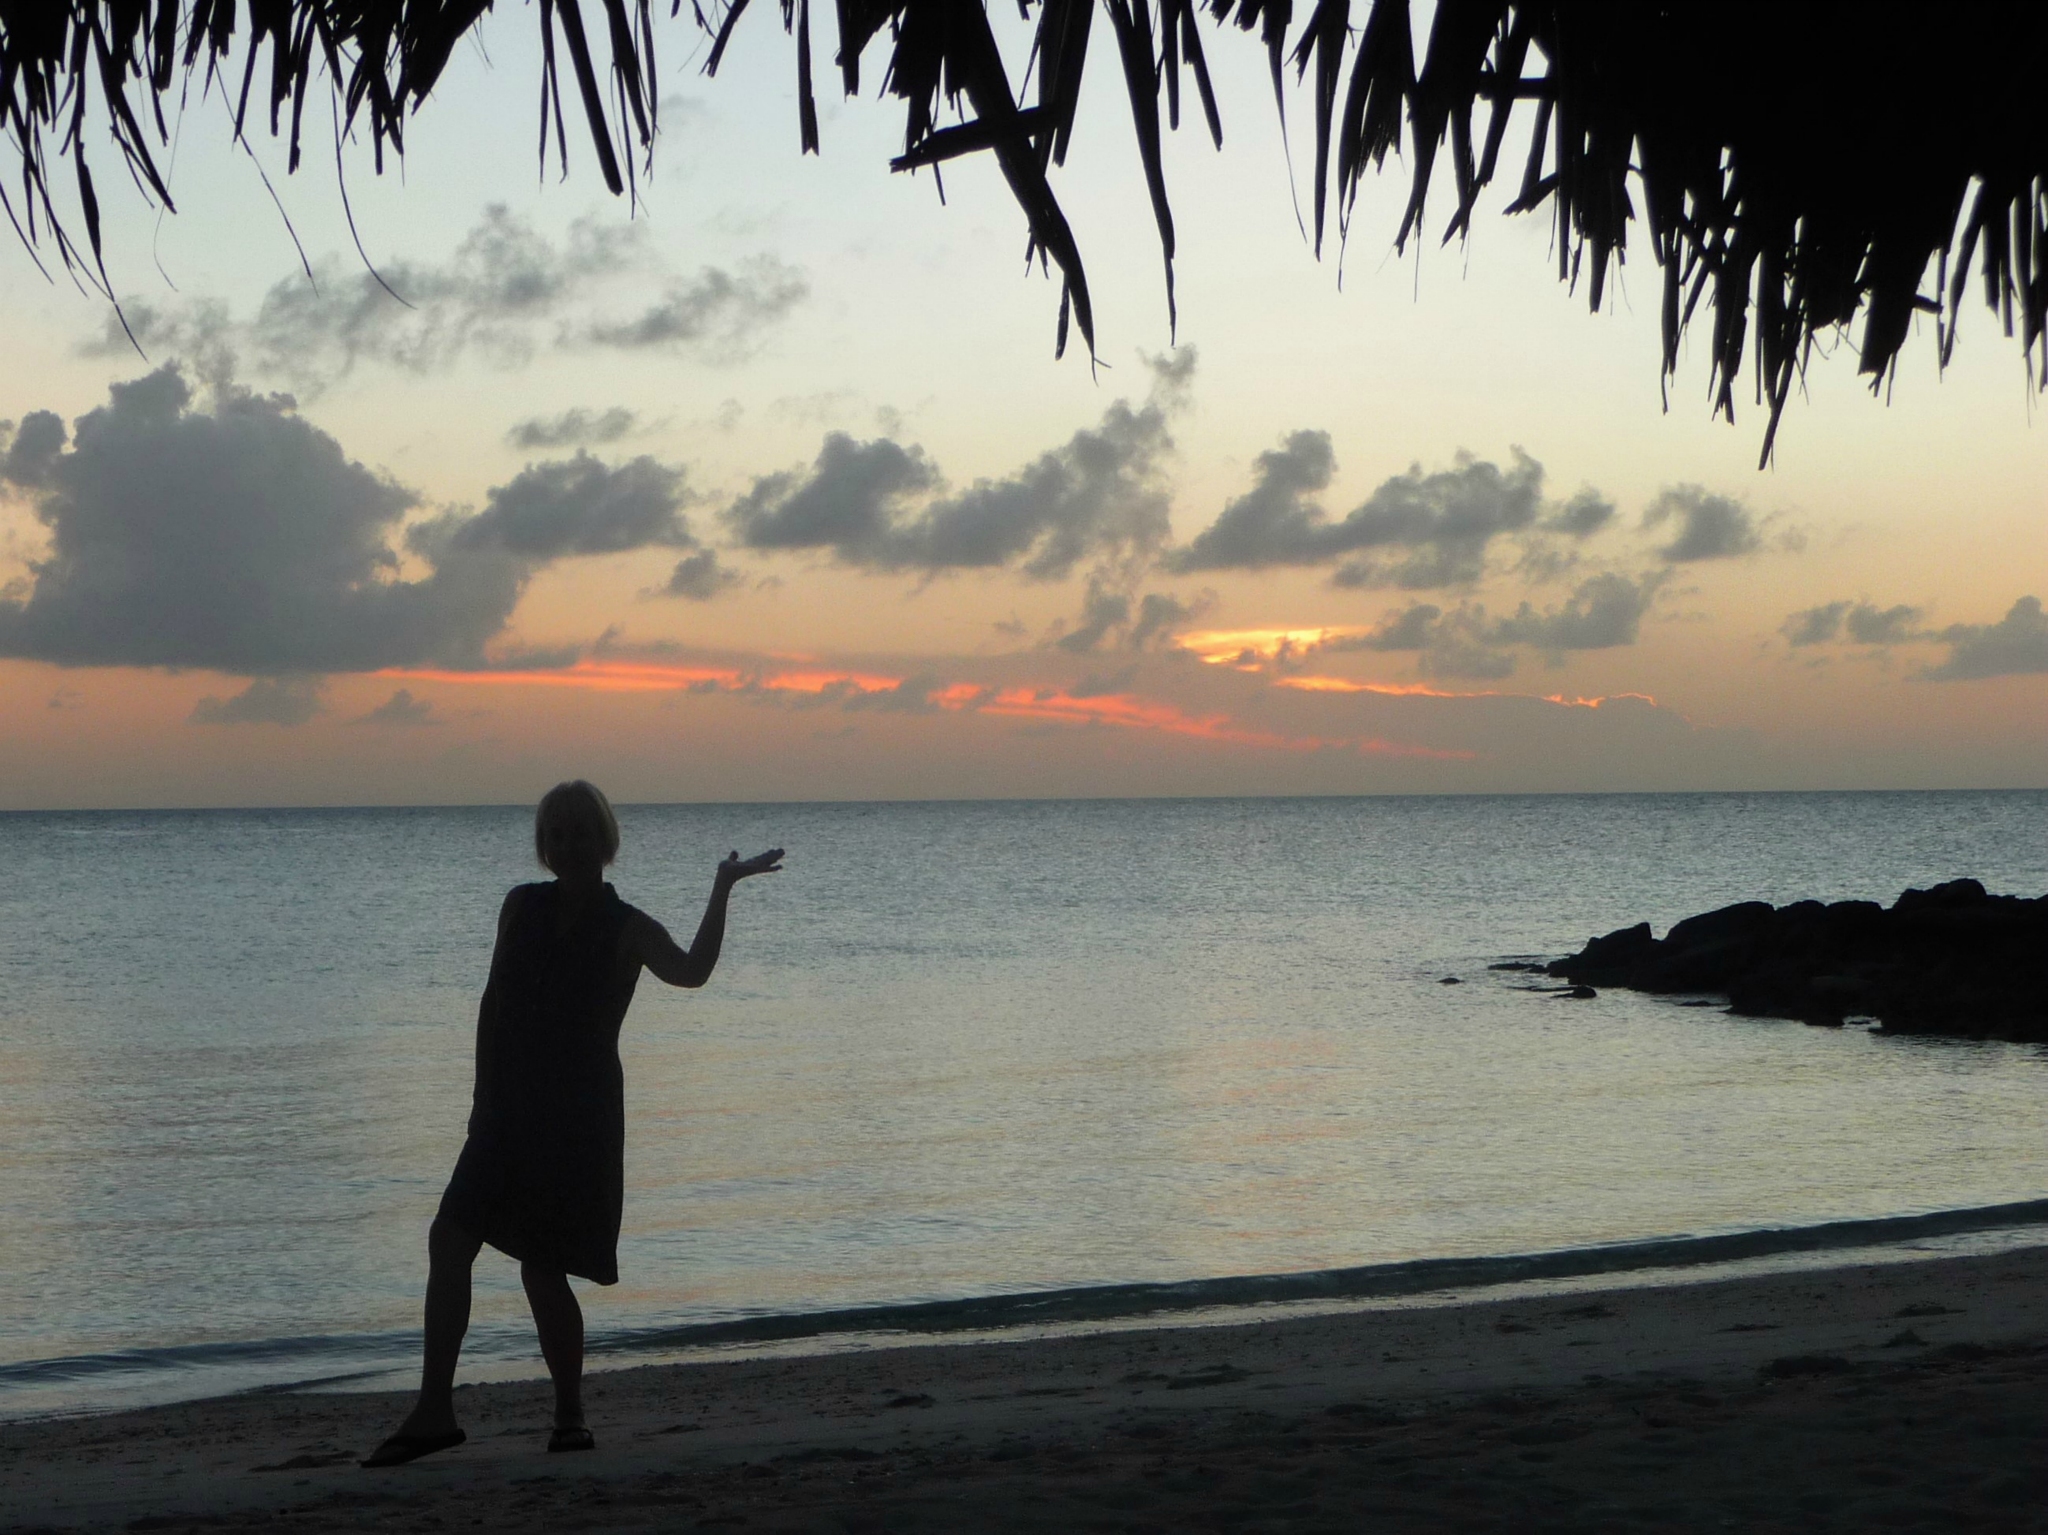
1797,166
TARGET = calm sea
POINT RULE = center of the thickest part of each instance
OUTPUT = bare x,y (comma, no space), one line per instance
954,1050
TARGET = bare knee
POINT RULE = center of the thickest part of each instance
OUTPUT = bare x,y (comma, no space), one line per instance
451,1245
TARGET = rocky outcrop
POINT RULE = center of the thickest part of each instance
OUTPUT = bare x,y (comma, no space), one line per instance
1950,960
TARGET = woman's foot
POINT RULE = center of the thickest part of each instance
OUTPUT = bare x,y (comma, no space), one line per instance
570,1437
402,1447
426,1429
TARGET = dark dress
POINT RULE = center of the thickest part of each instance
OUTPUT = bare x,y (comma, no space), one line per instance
542,1175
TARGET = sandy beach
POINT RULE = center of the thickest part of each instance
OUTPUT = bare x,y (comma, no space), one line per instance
1907,1394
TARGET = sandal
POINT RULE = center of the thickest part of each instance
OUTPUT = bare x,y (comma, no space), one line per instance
573,1437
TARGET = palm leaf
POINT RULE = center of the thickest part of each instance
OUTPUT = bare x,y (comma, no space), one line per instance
1798,167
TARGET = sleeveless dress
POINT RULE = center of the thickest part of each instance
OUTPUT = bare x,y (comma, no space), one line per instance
542,1175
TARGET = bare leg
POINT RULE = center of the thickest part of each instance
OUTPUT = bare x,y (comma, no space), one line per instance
559,1321
450,1253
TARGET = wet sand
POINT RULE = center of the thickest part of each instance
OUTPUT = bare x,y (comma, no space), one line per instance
1888,1396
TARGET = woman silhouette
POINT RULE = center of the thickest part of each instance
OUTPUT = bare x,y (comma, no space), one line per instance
541,1176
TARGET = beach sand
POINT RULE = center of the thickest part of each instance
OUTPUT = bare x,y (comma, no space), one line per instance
1898,1395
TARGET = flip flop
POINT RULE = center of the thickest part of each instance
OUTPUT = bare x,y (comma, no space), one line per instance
576,1437
400,1448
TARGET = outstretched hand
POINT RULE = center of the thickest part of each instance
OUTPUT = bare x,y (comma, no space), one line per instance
733,868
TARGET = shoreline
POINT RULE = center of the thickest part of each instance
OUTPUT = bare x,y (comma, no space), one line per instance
374,1362
1779,1399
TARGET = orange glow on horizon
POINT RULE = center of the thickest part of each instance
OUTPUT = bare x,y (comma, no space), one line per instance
604,676
598,676
1385,689
1594,703
1424,690
819,682
1136,714
1124,710
1141,714
1239,647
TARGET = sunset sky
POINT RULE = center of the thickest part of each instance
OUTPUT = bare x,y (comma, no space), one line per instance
773,489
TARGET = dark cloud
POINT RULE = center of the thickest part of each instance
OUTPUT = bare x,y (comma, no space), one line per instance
401,709
1411,628
1582,516
2017,645
1115,618
1814,626
1102,612
1099,495
1604,612
1710,527
265,701
1870,625
699,577
33,450
849,503
1415,531
504,280
724,312
1173,374
913,695
574,428
1275,522
580,505
1161,613
242,539
506,293
1457,652
1103,684
1861,623
1454,644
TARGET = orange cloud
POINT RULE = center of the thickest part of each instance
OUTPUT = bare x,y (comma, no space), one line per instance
1251,647
1424,690
599,676
1594,703
1131,713
1123,710
1135,713
1386,689
608,676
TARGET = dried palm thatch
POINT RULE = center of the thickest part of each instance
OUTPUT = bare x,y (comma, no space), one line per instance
1796,164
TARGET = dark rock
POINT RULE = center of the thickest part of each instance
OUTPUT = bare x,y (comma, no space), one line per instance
1615,953
1582,993
1948,960
1728,924
1956,893
1450,980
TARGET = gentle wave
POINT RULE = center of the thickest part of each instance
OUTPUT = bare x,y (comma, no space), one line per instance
275,1364
1098,1303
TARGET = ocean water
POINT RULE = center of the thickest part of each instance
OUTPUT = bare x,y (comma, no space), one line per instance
954,1050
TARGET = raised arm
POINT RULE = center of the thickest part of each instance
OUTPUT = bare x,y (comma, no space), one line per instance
692,967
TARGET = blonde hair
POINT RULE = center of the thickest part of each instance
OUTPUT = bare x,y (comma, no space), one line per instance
576,797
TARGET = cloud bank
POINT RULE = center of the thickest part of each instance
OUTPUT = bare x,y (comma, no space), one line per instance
240,538
1416,531
1860,623
506,294
881,506
2017,645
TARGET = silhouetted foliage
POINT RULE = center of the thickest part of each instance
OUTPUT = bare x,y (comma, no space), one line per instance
1796,163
